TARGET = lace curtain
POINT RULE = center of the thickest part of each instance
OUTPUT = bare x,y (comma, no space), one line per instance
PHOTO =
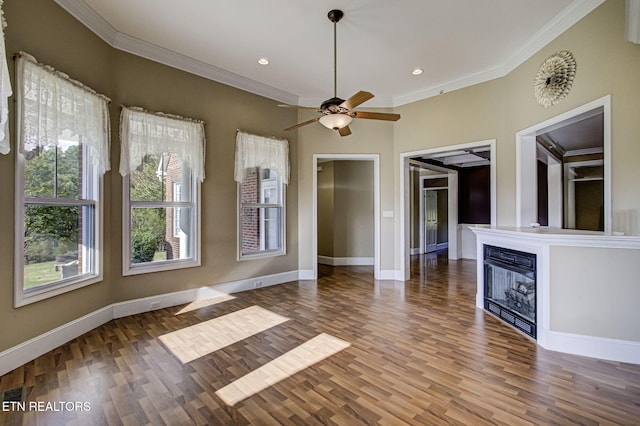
258,151
5,90
54,107
143,133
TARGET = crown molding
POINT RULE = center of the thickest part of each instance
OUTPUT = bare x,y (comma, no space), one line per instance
92,20
449,86
562,22
173,59
567,18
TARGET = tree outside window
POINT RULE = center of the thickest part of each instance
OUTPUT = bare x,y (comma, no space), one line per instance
58,215
157,207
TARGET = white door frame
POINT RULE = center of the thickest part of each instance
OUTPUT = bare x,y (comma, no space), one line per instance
454,249
376,206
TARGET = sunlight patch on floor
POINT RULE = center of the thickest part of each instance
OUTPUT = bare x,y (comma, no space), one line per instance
315,350
204,303
207,337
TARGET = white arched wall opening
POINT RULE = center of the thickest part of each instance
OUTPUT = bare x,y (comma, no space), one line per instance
454,249
375,158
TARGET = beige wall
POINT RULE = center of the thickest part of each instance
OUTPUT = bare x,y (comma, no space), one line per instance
34,27
353,209
224,109
606,64
595,292
345,209
369,137
325,209
46,31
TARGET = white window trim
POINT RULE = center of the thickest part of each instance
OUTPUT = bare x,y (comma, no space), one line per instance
283,225
96,179
165,265
21,297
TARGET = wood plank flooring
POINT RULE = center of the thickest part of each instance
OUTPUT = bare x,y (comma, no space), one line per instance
419,353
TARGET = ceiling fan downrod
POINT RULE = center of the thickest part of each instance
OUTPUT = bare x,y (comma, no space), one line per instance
335,16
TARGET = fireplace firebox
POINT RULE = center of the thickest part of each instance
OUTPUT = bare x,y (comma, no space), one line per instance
510,287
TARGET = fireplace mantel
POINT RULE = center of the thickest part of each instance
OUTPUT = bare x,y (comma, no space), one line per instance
603,270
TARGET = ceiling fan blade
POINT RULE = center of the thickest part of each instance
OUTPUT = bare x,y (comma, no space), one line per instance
304,123
298,107
344,131
377,115
356,100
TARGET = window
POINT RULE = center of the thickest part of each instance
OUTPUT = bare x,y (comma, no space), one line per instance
261,172
162,164
261,214
63,153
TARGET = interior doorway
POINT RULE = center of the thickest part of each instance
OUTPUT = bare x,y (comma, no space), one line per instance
450,160
430,214
350,237
432,230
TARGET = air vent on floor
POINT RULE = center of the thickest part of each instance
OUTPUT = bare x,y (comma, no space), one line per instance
14,395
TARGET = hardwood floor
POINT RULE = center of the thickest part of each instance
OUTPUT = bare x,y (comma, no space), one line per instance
417,353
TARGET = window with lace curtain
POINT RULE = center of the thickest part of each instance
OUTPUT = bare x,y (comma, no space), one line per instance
262,171
63,152
162,161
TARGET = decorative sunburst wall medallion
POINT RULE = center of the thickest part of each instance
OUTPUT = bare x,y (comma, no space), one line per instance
555,78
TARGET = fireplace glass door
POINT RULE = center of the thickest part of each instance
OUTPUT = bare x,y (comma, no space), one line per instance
510,287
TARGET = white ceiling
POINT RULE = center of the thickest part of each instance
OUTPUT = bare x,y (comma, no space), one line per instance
457,42
580,134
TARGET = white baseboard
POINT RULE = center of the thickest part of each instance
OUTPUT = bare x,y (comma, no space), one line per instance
595,347
591,346
137,306
345,261
415,250
16,356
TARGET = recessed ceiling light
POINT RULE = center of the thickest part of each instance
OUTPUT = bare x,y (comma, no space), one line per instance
263,61
417,71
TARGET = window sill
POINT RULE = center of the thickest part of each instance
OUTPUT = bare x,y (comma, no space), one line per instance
26,297
148,268
261,255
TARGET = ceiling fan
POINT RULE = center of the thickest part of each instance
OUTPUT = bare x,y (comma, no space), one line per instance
338,113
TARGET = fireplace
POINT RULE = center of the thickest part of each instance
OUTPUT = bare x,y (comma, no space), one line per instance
510,287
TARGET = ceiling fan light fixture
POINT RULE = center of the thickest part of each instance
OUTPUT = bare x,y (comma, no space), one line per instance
335,121
338,113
